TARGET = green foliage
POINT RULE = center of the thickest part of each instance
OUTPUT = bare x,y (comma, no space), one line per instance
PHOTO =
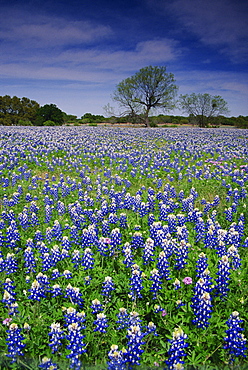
14,109
151,87
49,123
202,107
92,118
49,112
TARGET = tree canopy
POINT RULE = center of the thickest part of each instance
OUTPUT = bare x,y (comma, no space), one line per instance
49,112
151,87
14,109
202,107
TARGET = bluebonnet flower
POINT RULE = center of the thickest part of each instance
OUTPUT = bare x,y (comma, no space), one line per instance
151,219
201,304
113,219
30,243
156,282
47,364
177,284
56,335
34,220
199,229
61,208
73,293
46,261
29,260
87,280
74,235
135,341
151,328
234,257
163,266
76,258
87,259
117,361
148,251
55,255
235,342
234,237
127,251
223,278
57,230
137,240
123,221
103,246
67,274
37,291
101,323
107,286
172,222
14,342
115,237
55,274
181,251
76,345
48,213
71,315
96,306
11,265
229,214
38,236
66,243
177,350
123,318
105,228
56,290
201,264
136,282
9,299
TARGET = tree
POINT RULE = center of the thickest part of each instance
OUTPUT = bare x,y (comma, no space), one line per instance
203,107
14,109
151,87
49,112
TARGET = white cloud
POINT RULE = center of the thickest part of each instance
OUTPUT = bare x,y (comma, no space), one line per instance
45,31
218,23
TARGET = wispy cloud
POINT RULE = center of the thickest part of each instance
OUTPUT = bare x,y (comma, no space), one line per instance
45,31
218,23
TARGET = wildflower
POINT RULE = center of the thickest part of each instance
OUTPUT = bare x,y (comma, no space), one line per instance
151,328
37,291
108,286
96,306
163,266
7,321
156,282
177,350
136,282
177,284
74,294
123,318
187,280
135,341
223,277
47,364
76,345
14,342
87,259
56,334
101,323
148,251
116,358
235,342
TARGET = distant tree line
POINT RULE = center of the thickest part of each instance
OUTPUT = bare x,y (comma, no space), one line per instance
24,111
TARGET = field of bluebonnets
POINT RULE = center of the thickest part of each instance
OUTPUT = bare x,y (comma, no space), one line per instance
123,247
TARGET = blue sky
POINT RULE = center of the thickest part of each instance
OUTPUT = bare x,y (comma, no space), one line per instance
74,53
